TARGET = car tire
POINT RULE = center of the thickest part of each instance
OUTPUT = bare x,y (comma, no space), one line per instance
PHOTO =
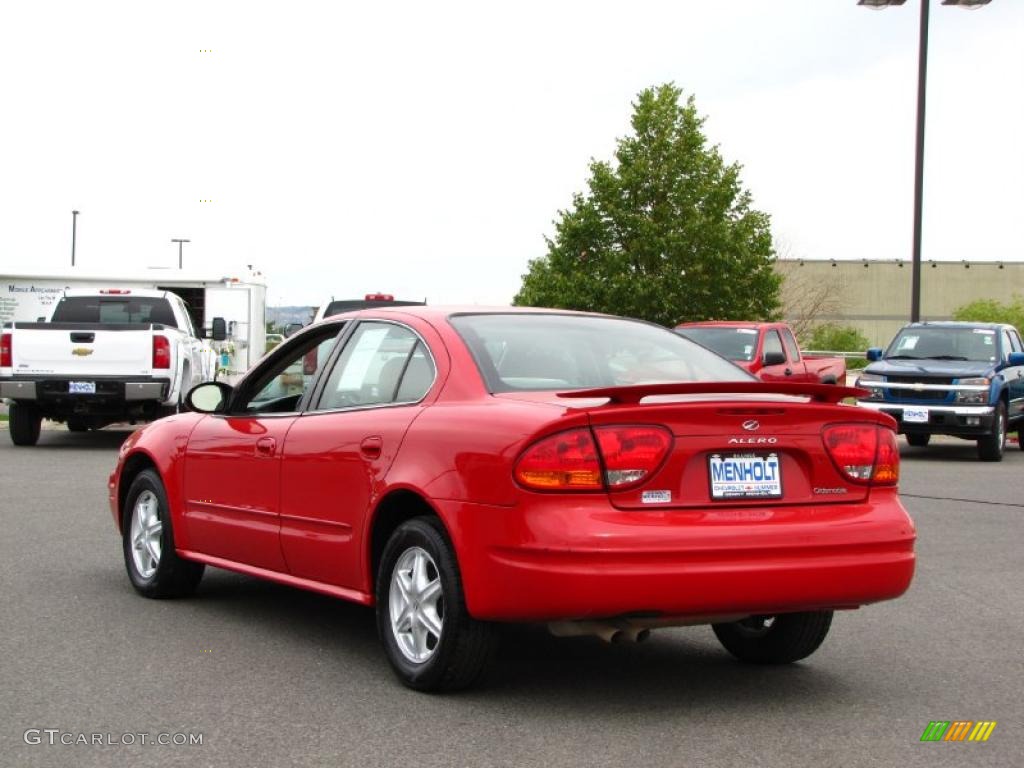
24,422
990,447
430,640
918,440
153,566
780,639
77,424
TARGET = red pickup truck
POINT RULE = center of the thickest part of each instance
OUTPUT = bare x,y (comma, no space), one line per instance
767,350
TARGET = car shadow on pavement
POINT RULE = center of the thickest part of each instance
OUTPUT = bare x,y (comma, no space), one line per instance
959,451
99,440
674,670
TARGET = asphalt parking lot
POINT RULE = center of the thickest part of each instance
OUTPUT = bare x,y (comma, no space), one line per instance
273,676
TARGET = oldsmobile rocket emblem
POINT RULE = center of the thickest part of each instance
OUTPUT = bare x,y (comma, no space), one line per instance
752,425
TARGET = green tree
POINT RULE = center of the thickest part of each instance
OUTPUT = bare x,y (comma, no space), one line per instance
665,233
992,311
837,338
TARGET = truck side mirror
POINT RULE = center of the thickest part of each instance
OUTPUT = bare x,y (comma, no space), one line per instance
1016,358
292,328
774,358
219,331
874,354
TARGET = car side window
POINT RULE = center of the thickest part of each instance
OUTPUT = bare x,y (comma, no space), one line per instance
772,343
289,375
1015,343
1007,345
381,363
791,345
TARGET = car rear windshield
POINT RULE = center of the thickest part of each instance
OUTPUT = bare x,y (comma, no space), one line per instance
938,343
114,309
536,352
733,343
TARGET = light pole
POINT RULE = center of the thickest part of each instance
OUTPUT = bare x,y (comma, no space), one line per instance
179,241
922,76
74,234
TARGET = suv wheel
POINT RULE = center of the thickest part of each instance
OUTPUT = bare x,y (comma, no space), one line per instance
25,423
990,447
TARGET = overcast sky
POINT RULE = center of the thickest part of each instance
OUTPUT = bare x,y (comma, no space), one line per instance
424,148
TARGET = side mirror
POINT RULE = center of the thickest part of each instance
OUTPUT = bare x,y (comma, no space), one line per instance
209,397
1016,358
874,354
774,358
292,328
219,330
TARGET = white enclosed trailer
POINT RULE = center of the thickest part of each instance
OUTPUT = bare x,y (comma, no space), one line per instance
240,298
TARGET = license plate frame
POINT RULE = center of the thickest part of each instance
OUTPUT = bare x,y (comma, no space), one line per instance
731,485
916,415
81,387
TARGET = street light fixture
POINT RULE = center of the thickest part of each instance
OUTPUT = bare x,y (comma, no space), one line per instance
922,73
74,234
179,241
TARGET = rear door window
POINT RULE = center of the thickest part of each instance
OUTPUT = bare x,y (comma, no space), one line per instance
382,363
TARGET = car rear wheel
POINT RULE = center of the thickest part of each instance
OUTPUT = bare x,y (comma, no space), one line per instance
990,447
78,424
154,568
25,421
918,440
780,639
431,641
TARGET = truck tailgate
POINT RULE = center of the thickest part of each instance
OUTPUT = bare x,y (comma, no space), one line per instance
85,350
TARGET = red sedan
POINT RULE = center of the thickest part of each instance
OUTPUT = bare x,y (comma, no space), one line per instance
459,468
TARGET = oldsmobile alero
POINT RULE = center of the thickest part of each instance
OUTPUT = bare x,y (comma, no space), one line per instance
460,468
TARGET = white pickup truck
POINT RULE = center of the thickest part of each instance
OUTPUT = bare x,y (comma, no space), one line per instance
102,357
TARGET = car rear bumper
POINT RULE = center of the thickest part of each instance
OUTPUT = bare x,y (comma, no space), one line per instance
579,558
113,393
958,420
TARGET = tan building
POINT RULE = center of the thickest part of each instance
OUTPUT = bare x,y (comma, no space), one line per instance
874,296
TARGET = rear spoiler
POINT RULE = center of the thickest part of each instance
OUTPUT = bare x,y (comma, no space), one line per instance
822,393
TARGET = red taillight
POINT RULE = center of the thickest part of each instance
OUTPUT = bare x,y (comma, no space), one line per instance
378,297
572,461
309,362
115,291
563,462
161,352
864,452
6,351
631,454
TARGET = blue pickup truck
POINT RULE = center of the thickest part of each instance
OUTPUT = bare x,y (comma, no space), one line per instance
950,378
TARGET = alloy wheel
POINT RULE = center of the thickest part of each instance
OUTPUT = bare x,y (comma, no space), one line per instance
416,605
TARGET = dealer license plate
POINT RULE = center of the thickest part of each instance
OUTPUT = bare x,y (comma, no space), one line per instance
81,387
740,476
915,415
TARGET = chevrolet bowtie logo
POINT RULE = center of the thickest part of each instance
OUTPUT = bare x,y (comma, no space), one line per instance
81,351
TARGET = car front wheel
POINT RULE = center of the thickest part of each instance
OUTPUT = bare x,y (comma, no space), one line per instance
154,568
990,447
431,641
780,639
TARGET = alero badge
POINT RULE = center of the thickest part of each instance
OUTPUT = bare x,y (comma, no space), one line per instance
81,351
